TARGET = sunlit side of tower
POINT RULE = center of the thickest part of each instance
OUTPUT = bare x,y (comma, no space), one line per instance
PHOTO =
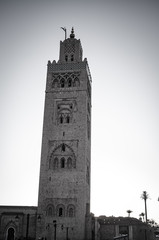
64,186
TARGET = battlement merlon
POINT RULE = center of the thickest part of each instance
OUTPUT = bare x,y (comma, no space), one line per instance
72,66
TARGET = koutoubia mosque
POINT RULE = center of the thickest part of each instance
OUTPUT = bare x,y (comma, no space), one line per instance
63,211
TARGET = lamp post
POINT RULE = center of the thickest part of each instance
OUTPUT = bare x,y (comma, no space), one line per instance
66,233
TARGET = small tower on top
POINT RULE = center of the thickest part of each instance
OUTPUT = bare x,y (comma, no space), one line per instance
70,49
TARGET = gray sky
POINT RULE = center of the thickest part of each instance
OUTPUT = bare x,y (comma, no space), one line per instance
120,40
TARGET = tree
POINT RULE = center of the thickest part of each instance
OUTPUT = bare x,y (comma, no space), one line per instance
129,211
145,196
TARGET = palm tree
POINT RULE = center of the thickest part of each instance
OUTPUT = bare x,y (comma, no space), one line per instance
129,211
145,196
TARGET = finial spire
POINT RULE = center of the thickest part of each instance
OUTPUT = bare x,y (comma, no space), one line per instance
72,35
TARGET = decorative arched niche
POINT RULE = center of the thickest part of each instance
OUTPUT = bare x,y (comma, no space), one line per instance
62,157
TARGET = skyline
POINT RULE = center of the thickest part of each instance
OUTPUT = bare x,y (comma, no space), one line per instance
120,40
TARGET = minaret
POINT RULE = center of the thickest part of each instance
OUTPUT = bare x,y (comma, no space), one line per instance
64,186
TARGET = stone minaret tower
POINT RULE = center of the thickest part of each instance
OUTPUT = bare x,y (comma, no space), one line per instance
64,188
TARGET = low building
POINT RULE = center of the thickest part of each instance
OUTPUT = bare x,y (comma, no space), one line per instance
123,228
18,222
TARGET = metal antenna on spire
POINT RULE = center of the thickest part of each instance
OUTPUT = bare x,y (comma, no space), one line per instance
63,28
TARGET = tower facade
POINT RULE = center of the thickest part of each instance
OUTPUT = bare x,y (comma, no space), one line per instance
64,186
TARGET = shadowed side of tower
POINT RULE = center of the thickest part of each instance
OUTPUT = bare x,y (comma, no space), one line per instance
64,186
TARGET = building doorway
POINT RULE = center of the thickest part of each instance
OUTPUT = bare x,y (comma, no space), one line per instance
11,233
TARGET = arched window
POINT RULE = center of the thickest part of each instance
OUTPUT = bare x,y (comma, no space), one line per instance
63,147
67,118
50,211
55,163
66,58
55,83
71,211
62,83
61,119
76,82
62,163
69,162
72,58
60,210
69,82
62,157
